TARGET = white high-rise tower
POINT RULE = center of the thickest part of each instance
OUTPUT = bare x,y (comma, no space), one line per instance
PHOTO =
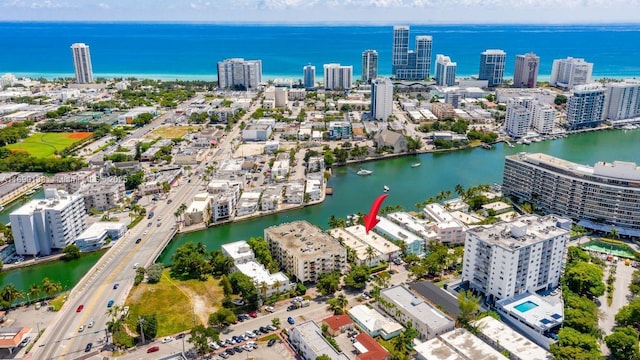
82,63
381,99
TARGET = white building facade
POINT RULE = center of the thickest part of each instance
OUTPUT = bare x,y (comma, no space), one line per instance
238,72
445,71
337,77
585,107
381,99
82,63
569,72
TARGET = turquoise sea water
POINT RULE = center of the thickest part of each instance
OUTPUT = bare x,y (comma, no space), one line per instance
191,51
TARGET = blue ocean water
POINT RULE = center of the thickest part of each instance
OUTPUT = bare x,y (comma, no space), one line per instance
190,51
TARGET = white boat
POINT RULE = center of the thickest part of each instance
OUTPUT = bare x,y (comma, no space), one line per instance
30,192
1,207
386,188
415,164
364,172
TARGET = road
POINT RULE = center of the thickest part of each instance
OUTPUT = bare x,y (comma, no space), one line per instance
62,340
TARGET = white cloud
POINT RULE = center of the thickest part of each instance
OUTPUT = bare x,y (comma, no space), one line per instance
48,4
104,6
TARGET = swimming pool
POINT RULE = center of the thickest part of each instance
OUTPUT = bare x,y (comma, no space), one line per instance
525,306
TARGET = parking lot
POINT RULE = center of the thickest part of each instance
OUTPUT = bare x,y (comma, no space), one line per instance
278,350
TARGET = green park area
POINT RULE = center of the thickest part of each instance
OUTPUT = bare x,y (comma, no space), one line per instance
43,145
171,132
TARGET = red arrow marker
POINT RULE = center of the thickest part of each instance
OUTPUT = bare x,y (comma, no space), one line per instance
371,219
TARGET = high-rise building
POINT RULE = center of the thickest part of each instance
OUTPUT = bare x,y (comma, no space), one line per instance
543,118
53,223
445,71
305,251
526,71
492,63
381,99
239,73
82,63
309,76
510,258
585,106
400,50
337,77
623,100
409,64
369,65
600,197
569,72
517,118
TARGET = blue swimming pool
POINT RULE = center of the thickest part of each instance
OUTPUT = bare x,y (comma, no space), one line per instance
526,306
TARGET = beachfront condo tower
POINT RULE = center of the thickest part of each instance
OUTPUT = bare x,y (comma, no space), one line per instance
445,71
381,99
337,77
410,64
623,100
602,197
492,63
585,107
239,74
369,65
309,76
526,72
82,63
569,72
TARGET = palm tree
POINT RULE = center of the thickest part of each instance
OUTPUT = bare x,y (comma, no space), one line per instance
50,287
338,303
371,254
10,293
469,305
34,291
459,189
614,233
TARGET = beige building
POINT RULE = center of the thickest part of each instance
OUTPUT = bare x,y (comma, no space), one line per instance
304,251
103,195
71,181
13,185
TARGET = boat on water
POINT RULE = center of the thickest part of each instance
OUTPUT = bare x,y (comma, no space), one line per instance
486,146
30,192
386,188
415,164
1,207
364,172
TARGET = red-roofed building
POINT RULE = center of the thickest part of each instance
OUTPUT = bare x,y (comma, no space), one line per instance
10,338
338,324
369,349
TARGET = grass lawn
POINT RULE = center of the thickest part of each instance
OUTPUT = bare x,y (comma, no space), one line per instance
174,302
43,145
171,132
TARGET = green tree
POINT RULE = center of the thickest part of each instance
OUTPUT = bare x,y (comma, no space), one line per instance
585,279
71,252
469,305
357,276
573,345
148,324
575,254
623,343
222,316
200,338
244,285
220,263
338,303
50,287
328,283
154,273
634,286
323,357
261,249
9,294
34,291
227,289
275,322
189,263
629,315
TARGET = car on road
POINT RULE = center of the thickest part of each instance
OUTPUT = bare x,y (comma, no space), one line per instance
291,307
153,349
91,323
115,286
149,225
138,240
253,314
270,309
79,309
290,320
88,347
224,355
136,265
25,341
167,339
180,336
271,342
81,328
272,328
110,303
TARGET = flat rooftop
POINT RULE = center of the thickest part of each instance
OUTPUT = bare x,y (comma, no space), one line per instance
260,275
418,308
458,344
312,335
511,340
303,238
373,320
411,223
396,232
522,231
351,241
540,312
238,249
372,239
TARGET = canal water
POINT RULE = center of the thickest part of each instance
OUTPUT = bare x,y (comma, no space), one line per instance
408,186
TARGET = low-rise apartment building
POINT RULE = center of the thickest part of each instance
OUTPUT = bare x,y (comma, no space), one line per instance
308,341
304,251
103,195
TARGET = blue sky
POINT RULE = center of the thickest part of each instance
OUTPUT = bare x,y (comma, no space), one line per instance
326,11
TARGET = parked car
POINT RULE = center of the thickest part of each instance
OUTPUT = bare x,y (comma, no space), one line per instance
253,314
180,336
271,342
110,303
25,341
91,323
167,339
88,347
270,309
290,320
291,307
115,286
272,328
153,349
81,328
